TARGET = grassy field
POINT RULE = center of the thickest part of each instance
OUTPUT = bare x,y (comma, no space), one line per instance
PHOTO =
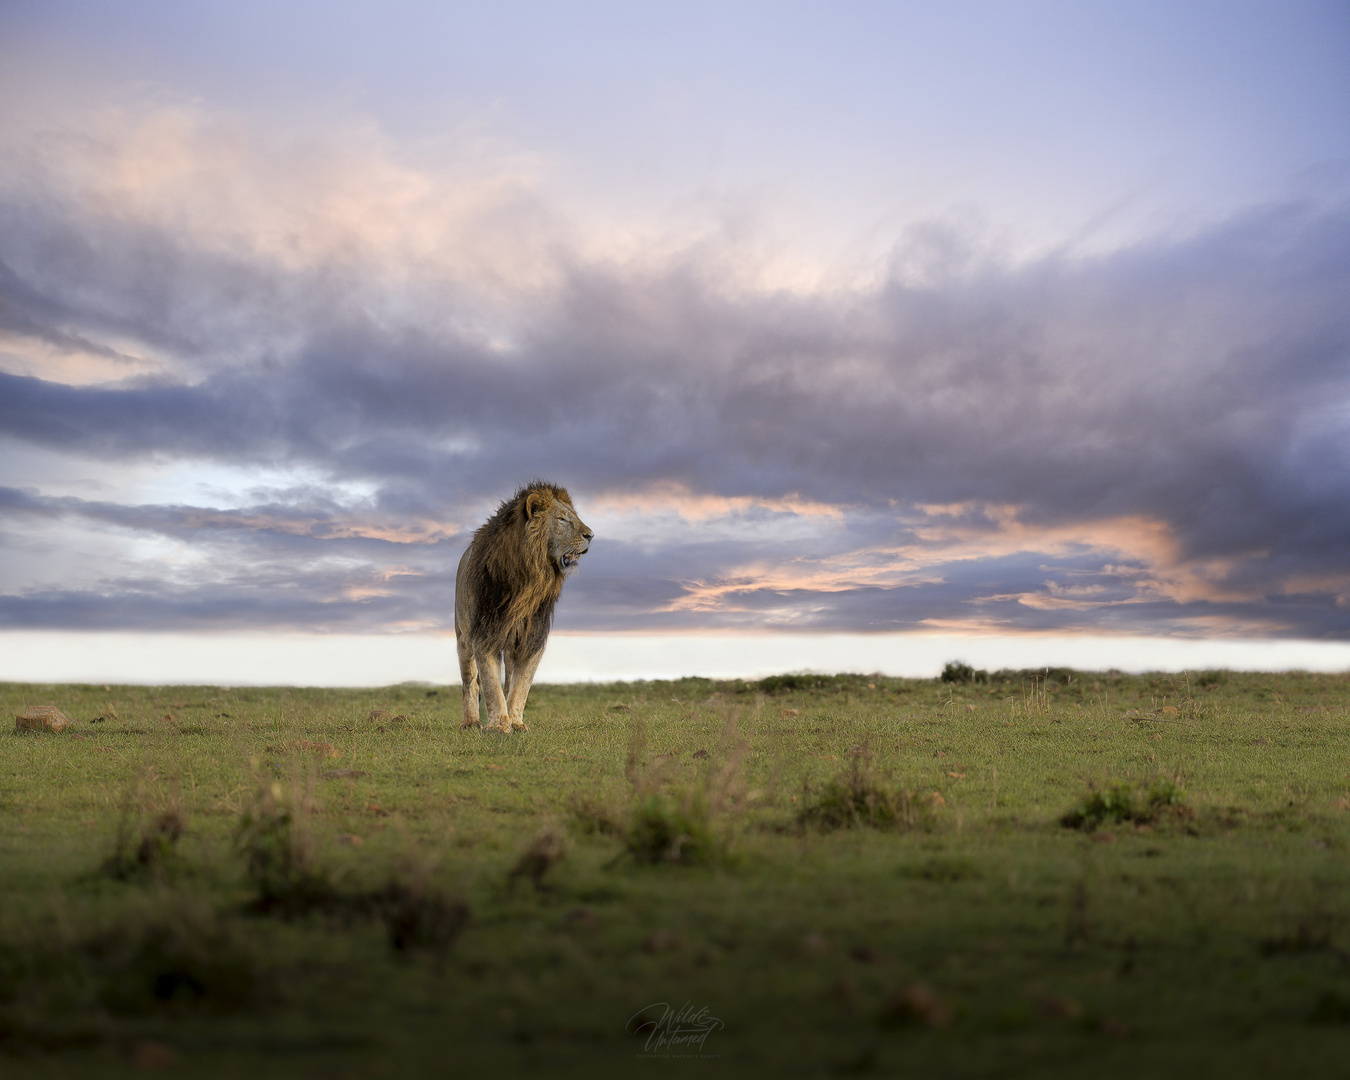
1070,874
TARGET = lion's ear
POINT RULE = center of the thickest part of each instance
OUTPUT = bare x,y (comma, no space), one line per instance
535,502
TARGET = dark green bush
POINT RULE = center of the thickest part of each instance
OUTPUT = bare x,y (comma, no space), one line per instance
666,829
277,859
154,857
1120,802
857,798
957,672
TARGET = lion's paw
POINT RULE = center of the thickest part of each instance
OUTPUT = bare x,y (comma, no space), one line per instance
470,724
519,725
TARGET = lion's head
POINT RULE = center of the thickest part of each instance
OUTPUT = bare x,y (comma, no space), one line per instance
548,509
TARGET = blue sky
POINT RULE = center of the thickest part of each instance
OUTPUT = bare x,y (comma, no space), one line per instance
981,318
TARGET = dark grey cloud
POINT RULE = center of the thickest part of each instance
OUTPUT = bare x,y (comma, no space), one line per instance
1201,383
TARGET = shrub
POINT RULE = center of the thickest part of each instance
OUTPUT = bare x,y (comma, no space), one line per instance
1120,802
591,817
780,684
1162,793
1112,804
539,858
669,829
59,983
671,821
416,915
858,798
278,857
957,672
155,857
804,681
178,963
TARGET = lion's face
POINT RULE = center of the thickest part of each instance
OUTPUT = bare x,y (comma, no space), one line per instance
569,537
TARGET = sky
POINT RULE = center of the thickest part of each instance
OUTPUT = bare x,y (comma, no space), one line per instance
994,320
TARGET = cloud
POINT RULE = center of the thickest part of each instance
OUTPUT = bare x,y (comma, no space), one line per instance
1151,439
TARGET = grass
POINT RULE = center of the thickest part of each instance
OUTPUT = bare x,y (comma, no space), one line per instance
1000,874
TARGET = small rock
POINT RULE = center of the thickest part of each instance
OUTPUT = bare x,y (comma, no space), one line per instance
384,716
618,706
700,754
344,774
41,718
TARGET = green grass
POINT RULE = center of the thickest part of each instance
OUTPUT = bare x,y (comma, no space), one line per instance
997,875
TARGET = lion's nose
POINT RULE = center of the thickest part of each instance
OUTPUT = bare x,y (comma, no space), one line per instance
587,535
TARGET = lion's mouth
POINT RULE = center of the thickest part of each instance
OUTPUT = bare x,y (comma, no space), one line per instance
571,558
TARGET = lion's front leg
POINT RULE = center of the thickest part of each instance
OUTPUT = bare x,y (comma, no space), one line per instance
494,698
520,676
468,679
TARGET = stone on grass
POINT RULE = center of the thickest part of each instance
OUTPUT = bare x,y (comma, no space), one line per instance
41,718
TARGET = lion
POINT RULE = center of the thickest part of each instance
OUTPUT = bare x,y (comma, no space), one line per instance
508,582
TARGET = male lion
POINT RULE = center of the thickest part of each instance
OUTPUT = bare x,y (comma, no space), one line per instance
508,582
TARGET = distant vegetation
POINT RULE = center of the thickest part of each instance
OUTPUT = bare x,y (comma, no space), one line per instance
1040,872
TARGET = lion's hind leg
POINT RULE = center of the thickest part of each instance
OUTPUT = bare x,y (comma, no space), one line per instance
468,678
